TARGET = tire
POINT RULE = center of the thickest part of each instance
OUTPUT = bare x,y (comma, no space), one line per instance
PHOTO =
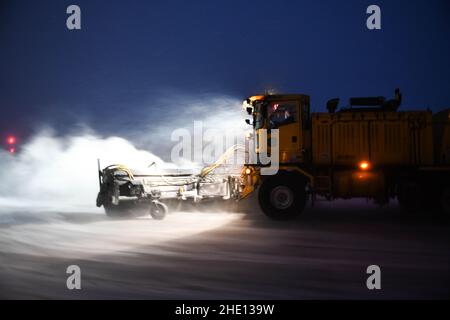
158,210
283,197
410,197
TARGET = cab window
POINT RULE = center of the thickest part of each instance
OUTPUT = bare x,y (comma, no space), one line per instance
281,114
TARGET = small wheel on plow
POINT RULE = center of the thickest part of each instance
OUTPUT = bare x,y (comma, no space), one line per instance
158,210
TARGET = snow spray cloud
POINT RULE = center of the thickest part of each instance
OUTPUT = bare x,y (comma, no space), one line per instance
220,118
206,127
51,171
60,172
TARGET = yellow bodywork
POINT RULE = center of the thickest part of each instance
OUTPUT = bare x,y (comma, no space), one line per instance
329,148
121,167
383,138
250,178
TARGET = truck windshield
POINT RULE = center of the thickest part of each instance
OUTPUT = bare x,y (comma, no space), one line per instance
278,114
281,114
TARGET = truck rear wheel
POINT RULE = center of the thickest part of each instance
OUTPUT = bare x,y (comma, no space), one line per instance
282,197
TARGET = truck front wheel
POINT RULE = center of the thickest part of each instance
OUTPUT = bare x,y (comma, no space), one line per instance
283,197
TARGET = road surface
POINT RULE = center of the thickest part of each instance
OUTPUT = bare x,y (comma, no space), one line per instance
225,255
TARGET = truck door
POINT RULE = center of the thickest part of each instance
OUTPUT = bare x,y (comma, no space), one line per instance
285,116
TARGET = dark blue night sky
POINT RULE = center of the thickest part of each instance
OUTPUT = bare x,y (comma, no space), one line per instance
131,52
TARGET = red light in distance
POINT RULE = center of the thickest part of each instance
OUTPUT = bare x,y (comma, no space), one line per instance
11,140
12,150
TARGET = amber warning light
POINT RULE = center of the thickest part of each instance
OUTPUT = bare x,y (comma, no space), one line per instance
364,165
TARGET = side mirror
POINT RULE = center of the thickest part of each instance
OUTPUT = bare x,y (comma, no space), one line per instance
250,110
247,121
